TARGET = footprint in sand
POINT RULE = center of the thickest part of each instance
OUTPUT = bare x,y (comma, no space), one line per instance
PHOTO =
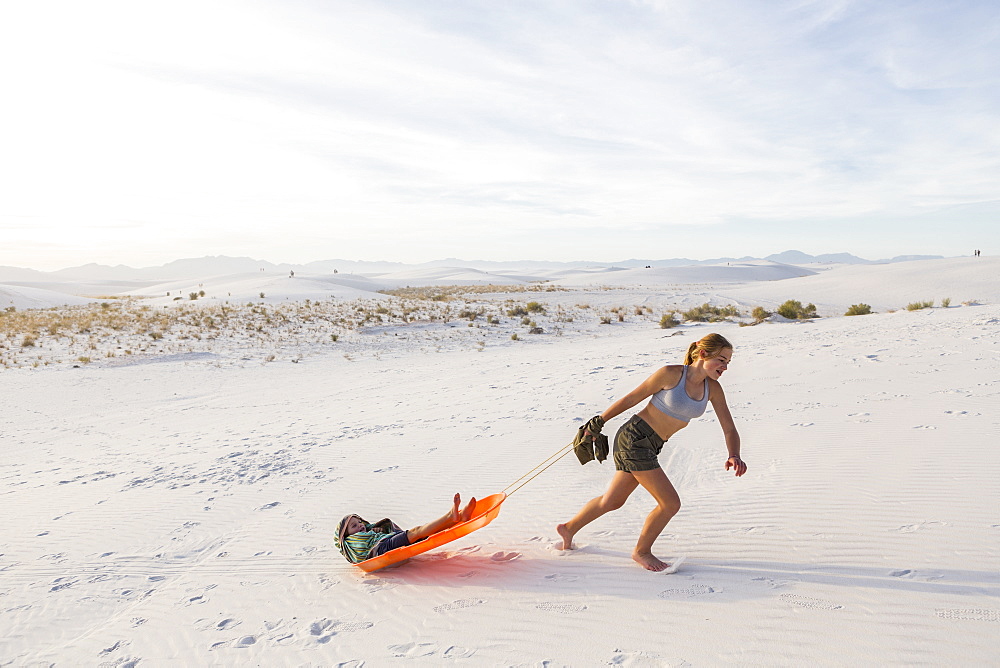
114,648
640,658
561,577
806,602
324,629
124,662
561,608
975,614
413,650
227,624
372,586
459,604
688,592
468,550
504,556
910,528
386,469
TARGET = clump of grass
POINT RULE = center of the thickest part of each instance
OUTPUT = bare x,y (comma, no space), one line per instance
916,306
514,337
669,320
794,310
535,307
708,313
760,314
946,302
859,309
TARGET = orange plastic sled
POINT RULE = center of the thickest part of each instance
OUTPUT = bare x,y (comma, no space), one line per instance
484,512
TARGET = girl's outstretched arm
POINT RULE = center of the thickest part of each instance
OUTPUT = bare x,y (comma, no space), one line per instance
718,399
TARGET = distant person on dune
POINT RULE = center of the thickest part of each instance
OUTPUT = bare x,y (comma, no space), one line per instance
677,395
359,540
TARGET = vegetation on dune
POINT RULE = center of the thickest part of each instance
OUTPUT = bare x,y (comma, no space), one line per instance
794,310
708,313
859,309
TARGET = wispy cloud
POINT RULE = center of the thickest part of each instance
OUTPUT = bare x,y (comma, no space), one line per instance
604,123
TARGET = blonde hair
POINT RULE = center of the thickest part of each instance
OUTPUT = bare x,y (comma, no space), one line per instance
712,344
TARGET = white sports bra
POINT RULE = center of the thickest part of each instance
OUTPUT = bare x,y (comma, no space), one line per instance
676,403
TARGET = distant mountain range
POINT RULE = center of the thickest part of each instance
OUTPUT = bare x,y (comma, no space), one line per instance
223,265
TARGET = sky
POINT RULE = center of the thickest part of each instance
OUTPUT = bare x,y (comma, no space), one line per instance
411,130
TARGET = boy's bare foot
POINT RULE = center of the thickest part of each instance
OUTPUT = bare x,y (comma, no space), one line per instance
456,515
649,562
566,535
467,513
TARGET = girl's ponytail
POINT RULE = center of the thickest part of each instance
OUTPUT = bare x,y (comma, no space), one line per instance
712,344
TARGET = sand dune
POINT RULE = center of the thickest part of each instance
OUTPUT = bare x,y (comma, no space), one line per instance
21,297
736,272
884,287
178,509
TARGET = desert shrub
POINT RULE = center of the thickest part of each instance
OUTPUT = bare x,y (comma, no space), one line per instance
514,337
946,302
708,313
794,310
468,313
536,330
669,320
84,359
859,309
535,307
516,311
760,313
334,337
605,319
916,306
192,296
156,336
262,295
28,342
201,293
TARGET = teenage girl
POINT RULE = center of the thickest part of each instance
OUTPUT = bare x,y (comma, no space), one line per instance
677,395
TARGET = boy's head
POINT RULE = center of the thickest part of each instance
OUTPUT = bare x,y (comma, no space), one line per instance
354,525
350,525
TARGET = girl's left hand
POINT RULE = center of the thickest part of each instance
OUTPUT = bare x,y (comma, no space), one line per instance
737,464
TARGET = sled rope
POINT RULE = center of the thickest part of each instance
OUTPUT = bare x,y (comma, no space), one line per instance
538,470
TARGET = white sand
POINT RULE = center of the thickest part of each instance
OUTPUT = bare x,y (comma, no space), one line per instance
181,513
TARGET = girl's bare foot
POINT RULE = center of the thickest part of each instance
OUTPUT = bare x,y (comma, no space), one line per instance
456,515
566,535
649,562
